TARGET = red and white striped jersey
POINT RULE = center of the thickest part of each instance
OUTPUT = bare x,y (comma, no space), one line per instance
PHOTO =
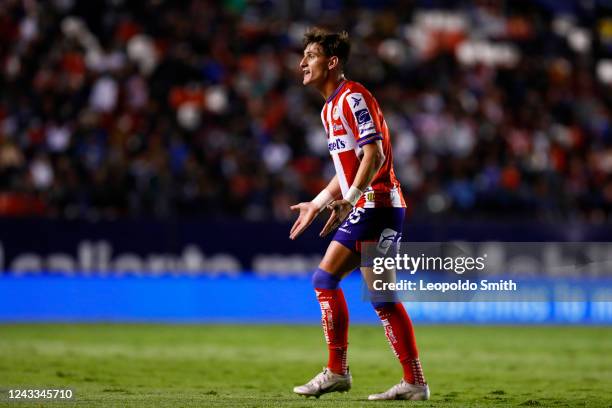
352,118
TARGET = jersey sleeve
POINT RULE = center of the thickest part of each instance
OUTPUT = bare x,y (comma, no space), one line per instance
361,115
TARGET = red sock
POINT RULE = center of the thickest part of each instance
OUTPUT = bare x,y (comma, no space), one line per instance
335,321
399,332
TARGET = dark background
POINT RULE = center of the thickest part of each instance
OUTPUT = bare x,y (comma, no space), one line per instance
195,109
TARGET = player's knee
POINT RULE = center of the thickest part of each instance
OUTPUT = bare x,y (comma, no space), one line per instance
325,280
381,300
382,305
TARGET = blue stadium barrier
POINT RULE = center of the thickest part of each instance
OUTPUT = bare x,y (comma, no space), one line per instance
168,299
246,299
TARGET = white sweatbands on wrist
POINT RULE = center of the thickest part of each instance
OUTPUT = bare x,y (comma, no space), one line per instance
353,195
322,199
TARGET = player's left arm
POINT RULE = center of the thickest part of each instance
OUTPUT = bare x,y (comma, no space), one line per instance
372,160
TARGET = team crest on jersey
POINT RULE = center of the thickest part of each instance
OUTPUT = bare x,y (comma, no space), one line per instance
335,113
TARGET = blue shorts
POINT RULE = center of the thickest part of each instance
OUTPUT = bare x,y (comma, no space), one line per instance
382,225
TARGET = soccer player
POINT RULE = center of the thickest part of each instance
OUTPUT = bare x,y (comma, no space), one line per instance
366,205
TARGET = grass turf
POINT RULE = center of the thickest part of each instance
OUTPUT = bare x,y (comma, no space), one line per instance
257,366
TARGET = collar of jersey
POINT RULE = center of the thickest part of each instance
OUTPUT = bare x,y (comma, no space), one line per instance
333,95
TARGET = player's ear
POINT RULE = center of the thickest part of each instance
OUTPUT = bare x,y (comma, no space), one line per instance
333,62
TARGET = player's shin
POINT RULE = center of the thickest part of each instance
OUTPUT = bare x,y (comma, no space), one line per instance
334,319
400,334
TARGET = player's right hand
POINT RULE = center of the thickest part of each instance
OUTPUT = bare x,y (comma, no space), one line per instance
308,212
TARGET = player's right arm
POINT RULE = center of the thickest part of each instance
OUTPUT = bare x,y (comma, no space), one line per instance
308,211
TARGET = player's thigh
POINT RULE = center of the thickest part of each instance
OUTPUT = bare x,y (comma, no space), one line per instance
339,260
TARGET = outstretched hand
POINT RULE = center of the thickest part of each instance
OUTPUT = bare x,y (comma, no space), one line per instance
308,212
340,209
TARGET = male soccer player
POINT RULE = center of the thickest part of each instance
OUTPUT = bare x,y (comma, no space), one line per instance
366,205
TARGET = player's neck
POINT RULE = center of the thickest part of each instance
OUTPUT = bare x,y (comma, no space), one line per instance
330,86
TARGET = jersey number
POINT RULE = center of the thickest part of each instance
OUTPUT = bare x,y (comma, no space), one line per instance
354,216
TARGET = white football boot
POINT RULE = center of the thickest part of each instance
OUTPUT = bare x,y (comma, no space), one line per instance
324,382
403,391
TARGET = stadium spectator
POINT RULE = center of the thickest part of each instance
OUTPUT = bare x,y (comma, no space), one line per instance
188,108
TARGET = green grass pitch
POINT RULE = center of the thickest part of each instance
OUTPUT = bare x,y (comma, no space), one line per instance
257,366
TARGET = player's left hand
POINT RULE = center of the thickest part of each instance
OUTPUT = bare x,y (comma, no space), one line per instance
340,209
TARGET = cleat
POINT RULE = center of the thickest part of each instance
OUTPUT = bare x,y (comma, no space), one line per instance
324,382
403,391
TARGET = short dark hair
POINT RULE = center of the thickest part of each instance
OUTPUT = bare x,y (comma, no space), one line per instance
333,44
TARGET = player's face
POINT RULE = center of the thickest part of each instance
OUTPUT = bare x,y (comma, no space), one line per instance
314,65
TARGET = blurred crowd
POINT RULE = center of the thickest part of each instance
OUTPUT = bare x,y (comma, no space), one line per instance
162,108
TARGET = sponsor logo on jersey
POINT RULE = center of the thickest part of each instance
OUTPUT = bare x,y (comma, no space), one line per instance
366,128
338,127
387,238
357,102
340,143
337,144
363,116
